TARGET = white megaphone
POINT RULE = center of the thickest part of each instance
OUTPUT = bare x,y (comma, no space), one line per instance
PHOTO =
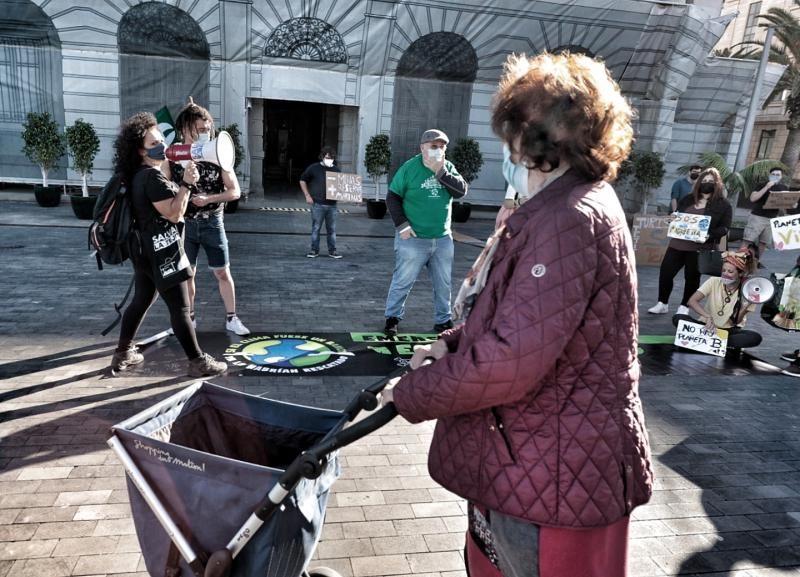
758,290
220,151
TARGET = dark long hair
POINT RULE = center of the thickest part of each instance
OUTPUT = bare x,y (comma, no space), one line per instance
129,141
719,186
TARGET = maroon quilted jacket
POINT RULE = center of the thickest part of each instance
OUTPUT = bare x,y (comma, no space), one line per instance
538,405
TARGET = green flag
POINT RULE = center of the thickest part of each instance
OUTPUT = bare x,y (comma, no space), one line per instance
166,125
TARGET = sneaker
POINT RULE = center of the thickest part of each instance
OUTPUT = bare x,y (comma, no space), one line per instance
441,327
312,254
123,360
334,254
659,309
390,329
206,366
682,310
790,356
234,325
792,370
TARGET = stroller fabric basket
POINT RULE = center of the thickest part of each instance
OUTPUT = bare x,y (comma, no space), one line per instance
210,454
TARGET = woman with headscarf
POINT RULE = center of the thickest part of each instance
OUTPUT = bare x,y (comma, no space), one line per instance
540,425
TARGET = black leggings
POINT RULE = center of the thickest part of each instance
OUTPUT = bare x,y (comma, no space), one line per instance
672,262
177,301
738,338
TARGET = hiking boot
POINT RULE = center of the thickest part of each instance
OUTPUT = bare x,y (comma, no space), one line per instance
792,370
790,356
334,254
234,325
312,254
390,329
206,366
123,360
441,327
659,309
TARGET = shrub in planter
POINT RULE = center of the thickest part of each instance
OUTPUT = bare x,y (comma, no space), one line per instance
468,160
43,144
377,159
83,145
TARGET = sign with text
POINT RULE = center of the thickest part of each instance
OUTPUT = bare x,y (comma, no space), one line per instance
786,232
343,186
783,199
687,226
696,337
650,238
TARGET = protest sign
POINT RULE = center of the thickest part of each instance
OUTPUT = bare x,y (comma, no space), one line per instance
343,186
687,226
650,238
696,337
782,199
786,231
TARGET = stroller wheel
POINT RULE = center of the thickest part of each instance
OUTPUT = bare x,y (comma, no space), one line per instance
323,572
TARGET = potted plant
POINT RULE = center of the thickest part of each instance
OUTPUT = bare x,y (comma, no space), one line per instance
468,160
377,159
83,145
236,136
43,144
646,170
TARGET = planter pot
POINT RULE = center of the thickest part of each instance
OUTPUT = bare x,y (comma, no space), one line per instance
83,206
376,209
47,195
231,206
461,211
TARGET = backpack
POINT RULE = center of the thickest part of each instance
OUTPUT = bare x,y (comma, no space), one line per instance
111,230
113,221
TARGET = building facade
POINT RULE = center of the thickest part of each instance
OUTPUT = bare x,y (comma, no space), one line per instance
297,75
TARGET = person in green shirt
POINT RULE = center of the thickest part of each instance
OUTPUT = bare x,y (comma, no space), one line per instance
420,202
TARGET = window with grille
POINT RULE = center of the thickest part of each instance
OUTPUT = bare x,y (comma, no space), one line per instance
751,24
307,39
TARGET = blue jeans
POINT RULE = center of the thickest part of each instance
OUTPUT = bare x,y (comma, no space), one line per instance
410,256
208,233
327,213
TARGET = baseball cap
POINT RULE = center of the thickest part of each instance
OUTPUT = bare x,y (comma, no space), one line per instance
433,134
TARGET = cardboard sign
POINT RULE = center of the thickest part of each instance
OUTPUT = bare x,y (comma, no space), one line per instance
343,186
650,238
783,199
786,232
695,337
687,226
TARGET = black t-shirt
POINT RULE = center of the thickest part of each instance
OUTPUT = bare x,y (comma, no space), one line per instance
210,182
758,206
150,185
314,177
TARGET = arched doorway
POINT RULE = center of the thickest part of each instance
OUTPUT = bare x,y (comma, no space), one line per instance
164,58
30,81
433,89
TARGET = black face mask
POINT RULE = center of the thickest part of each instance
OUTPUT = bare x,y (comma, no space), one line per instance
706,188
693,176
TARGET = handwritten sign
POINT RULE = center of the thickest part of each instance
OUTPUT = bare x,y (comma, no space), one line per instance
696,337
650,238
687,226
781,199
786,232
343,186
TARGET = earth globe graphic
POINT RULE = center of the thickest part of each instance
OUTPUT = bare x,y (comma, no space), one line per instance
286,353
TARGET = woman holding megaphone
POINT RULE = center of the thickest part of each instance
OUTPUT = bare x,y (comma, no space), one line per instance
722,304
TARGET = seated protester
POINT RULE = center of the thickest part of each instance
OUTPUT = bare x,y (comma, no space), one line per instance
720,303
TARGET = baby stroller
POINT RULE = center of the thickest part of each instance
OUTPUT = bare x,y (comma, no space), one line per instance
223,483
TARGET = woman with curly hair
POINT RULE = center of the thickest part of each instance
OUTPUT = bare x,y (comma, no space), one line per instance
540,425
157,206
707,198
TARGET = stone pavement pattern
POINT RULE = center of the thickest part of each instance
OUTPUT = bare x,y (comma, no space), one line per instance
726,448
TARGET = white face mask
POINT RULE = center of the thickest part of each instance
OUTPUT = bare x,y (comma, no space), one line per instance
774,177
515,174
203,137
327,162
436,154
728,281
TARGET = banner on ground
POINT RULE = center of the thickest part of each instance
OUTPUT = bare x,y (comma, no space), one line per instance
696,337
343,186
786,232
687,226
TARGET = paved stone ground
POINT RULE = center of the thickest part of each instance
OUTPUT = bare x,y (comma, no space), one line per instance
726,448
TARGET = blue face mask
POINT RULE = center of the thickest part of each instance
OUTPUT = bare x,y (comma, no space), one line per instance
203,137
157,152
515,174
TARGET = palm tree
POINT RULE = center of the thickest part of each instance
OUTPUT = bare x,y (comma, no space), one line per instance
785,49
